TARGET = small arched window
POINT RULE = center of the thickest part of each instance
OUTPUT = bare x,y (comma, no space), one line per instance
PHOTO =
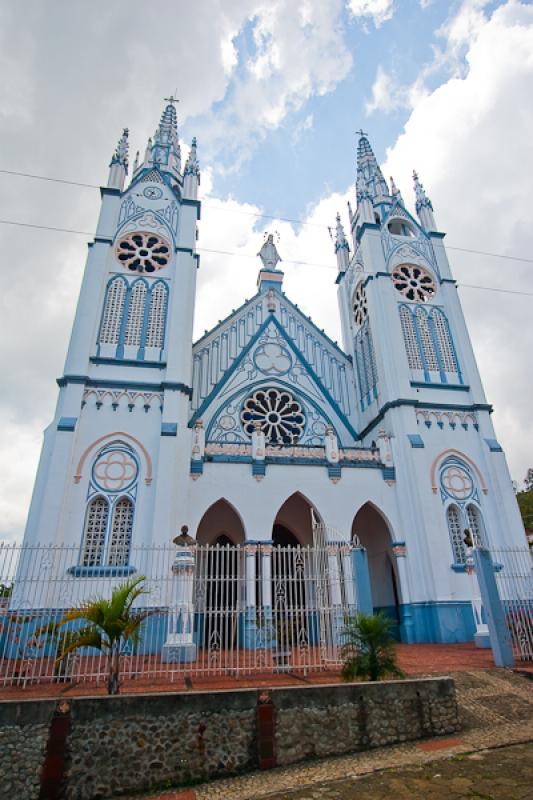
95,532
475,523
155,331
453,516
113,311
134,324
121,529
400,227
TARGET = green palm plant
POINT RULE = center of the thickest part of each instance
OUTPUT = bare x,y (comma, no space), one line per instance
110,626
368,648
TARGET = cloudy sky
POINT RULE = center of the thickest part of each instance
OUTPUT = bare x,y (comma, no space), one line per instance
274,90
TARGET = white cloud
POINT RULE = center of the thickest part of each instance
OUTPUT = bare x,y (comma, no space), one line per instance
379,11
470,139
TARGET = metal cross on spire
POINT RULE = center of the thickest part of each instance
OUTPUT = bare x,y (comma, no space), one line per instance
361,133
172,99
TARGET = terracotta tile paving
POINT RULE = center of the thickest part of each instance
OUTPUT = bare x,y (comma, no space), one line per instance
417,659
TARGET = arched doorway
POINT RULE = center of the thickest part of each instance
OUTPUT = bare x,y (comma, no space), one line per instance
219,578
292,565
374,534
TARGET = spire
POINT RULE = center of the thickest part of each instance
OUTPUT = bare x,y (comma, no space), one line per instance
424,207
118,167
342,248
164,150
191,173
368,170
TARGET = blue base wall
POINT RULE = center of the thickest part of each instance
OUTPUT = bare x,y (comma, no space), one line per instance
431,622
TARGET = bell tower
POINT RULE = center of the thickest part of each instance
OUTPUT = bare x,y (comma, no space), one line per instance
110,473
417,383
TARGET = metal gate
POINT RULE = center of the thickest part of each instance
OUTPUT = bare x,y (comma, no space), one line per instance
514,578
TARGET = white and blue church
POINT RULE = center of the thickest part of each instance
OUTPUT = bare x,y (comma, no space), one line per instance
265,423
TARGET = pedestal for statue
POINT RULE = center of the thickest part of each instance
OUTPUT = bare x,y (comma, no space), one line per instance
180,646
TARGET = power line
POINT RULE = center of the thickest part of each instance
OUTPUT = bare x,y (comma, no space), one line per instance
244,213
251,257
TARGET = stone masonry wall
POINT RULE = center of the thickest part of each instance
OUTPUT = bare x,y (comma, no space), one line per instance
138,742
23,737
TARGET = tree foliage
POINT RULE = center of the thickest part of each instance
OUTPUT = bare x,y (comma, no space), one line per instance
109,626
368,648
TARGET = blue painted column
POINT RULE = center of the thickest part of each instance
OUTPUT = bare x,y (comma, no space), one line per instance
361,574
500,639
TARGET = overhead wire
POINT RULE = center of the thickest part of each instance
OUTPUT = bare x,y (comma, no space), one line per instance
258,216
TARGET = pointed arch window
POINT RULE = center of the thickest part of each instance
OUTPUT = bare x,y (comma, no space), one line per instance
444,340
109,519
155,331
410,338
121,530
365,362
136,307
134,316
428,344
96,522
475,523
113,311
454,519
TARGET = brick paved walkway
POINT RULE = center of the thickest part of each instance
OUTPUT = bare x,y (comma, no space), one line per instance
414,659
496,707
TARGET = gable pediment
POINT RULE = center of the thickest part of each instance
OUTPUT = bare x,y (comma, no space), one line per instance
272,358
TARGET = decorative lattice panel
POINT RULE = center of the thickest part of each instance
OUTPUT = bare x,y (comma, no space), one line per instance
444,341
456,535
155,331
95,530
121,529
426,340
135,314
113,311
409,337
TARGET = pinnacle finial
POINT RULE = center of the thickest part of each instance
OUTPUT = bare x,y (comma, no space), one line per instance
192,166
422,200
120,156
340,239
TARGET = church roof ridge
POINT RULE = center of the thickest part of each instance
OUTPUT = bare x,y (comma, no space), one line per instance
222,322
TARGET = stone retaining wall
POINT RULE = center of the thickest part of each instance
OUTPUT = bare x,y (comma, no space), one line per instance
138,742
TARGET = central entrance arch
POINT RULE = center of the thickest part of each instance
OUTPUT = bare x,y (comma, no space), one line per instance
373,532
218,570
292,534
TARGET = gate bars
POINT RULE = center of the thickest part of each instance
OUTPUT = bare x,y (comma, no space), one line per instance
235,610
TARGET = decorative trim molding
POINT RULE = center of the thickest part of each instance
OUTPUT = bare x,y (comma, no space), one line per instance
114,435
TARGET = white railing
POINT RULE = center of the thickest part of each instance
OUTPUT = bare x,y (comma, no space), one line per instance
219,610
514,578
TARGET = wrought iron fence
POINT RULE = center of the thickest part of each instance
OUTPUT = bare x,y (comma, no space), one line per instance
220,610
514,578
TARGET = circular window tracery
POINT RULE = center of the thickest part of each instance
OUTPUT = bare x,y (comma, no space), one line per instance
457,482
359,304
414,282
143,252
280,416
115,469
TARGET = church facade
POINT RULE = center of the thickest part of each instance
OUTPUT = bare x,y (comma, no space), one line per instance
242,434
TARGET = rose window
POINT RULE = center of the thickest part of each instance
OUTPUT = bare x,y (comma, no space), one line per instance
415,283
280,416
360,308
457,482
115,470
143,252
